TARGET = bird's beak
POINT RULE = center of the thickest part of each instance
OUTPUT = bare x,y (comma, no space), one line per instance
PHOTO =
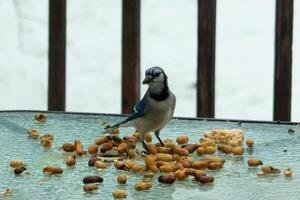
147,79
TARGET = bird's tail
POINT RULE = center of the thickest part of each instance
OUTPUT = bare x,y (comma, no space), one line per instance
110,129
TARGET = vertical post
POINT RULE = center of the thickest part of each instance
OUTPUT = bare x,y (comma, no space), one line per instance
206,58
283,60
57,55
131,14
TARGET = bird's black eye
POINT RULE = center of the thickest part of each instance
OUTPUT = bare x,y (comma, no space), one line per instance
156,74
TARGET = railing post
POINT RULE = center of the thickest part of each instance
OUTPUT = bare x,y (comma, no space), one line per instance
57,55
206,58
283,60
131,14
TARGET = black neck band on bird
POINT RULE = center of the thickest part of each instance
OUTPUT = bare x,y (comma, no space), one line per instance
164,92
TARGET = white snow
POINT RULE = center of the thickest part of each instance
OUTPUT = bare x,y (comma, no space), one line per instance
244,55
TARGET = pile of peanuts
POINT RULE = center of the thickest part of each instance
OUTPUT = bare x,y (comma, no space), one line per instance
173,161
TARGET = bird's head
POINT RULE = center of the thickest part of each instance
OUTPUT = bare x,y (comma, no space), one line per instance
154,75
157,81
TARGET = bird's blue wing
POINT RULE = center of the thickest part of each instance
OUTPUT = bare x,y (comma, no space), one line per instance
138,109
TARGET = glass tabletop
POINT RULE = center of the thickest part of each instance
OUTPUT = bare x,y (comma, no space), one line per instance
274,145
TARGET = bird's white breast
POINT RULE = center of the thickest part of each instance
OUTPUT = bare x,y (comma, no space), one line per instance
161,113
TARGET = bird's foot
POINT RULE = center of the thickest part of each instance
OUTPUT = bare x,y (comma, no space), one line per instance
161,143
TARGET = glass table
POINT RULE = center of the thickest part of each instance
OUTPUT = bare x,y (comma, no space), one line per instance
274,145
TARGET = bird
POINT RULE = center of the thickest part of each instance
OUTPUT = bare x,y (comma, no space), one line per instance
154,110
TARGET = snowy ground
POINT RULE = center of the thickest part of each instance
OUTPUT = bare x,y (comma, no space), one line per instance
244,57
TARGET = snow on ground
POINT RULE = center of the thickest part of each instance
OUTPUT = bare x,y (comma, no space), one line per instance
244,56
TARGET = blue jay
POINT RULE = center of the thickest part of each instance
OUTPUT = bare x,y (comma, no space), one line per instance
155,109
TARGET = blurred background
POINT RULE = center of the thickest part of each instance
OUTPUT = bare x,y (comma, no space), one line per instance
244,55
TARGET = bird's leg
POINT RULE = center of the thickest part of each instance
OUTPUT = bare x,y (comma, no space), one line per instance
157,136
144,144
145,147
